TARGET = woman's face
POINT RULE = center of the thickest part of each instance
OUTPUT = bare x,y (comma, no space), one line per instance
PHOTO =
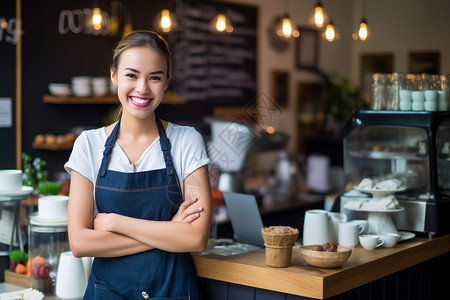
141,79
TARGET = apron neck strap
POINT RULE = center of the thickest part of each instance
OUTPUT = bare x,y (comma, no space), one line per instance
109,144
165,147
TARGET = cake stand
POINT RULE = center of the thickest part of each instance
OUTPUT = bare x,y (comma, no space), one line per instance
379,220
11,200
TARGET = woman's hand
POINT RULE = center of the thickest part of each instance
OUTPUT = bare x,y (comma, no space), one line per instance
187,212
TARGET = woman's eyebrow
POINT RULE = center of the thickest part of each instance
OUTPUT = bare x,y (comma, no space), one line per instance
152,73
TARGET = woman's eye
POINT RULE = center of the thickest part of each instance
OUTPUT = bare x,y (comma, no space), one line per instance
155,78
131,76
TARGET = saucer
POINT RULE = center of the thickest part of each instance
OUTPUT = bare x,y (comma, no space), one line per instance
24,191
36,220
404,235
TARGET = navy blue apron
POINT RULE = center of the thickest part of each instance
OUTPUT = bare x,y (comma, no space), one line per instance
151,195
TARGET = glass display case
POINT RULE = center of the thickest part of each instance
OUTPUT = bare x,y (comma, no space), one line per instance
411,149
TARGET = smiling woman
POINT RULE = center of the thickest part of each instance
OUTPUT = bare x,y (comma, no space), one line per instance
128,198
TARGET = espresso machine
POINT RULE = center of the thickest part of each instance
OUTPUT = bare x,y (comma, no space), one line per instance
411,147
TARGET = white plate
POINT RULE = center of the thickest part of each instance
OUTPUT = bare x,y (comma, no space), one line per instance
46,223
371,191
36,220
25,191
377,210
405,235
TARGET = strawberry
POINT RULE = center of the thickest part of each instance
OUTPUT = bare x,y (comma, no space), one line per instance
43,272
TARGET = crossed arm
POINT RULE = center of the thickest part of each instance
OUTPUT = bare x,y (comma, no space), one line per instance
110,235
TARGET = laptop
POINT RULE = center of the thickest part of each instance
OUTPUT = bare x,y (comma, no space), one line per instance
245,218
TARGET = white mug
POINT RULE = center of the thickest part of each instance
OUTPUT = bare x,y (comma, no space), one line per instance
364,224
348,234
370,241
10,180
335,219
316,228
390,239
71,279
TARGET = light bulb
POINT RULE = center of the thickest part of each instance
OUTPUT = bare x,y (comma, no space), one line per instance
363,31
287,27
330,33
318,16
221,24
166,22
97,19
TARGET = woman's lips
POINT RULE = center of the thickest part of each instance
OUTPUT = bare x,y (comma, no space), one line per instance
139,101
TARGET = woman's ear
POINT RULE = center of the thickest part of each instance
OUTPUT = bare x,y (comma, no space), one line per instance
113,76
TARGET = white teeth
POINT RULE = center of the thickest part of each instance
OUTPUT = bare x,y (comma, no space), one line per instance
139,100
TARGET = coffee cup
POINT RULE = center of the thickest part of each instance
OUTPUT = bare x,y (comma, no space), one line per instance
431,95
348,233
71,278
370,241
316,227
364,224
10,180
390,239
335,219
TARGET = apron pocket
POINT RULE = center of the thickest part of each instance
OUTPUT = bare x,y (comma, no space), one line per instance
102,292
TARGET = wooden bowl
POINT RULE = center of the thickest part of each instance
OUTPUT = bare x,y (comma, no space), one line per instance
323,259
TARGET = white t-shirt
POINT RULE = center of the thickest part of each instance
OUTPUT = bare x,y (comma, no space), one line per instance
188,154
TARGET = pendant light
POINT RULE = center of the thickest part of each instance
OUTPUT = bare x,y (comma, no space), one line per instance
363,31
96,17
286,28
329,34
164,21
318,16
221,24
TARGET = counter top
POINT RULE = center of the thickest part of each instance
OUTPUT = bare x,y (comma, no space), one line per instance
301,279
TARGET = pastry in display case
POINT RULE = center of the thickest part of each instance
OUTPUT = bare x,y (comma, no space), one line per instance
397,170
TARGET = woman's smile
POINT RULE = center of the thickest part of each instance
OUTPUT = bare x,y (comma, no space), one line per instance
140,101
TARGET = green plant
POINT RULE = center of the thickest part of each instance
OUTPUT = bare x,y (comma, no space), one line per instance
339,97
33,171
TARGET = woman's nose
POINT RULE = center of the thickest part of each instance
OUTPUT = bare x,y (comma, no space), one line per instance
142,86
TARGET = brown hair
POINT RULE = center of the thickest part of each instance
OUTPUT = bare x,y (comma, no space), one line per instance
141,38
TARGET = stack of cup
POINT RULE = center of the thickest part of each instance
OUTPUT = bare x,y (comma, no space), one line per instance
100,86
430,103
407,85
418,100
81,86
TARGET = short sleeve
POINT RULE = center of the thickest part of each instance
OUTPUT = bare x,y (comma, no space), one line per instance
194,152
80,158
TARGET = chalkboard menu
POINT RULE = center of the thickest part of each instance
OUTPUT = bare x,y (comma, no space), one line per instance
213,66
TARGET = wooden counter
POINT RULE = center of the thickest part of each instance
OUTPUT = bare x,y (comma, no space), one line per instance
363,266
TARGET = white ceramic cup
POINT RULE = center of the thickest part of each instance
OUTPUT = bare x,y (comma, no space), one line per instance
431,95
348,233
364,224
418,96
442,100
335,219
405,105
316,227
370,241
10,180
431,105
71,279
390,239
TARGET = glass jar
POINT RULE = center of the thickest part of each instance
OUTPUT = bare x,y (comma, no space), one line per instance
46,243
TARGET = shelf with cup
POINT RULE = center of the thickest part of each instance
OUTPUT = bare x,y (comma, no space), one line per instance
169,98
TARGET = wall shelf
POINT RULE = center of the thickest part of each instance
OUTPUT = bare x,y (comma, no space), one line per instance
169,98
42,146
